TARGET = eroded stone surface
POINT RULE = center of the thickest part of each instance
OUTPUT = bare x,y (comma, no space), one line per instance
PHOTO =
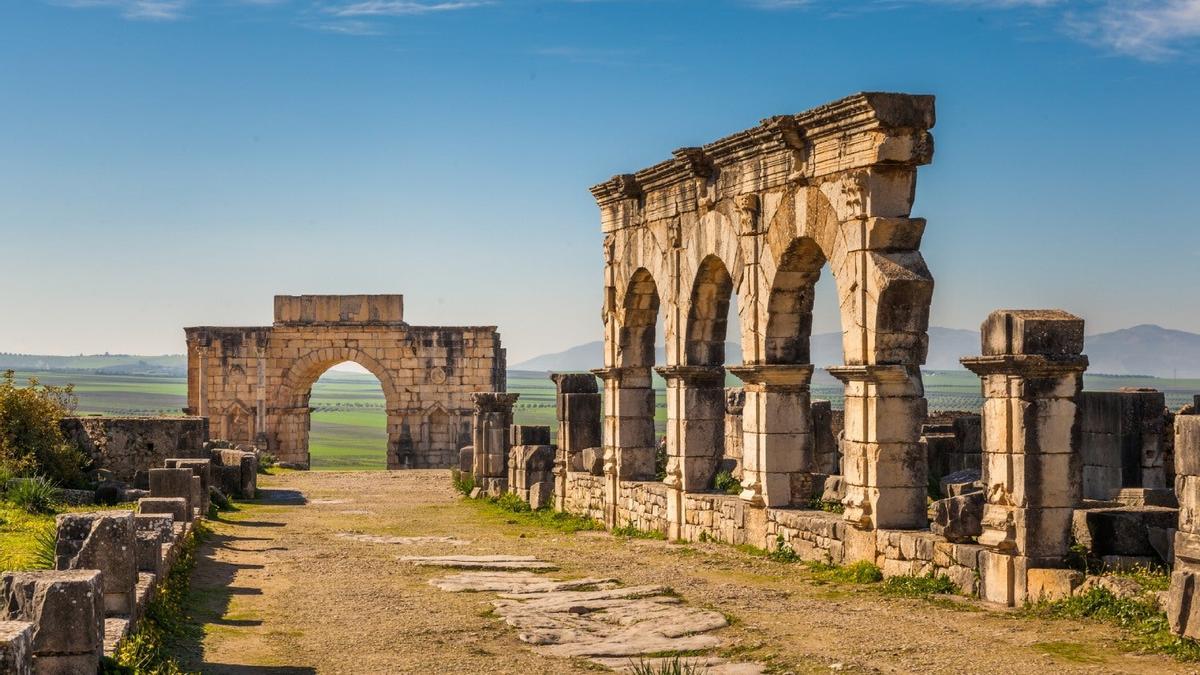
378,539
480,562
594,618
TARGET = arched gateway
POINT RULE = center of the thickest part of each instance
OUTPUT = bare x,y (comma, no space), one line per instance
254,383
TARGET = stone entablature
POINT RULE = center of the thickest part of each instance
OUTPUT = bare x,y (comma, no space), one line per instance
761,213
254,383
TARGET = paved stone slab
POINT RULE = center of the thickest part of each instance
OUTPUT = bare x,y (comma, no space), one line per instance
379,539
513,583
480,562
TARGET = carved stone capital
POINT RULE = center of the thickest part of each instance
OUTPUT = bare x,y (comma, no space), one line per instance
775,375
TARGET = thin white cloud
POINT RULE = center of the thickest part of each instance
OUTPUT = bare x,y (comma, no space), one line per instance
146,10
1151,30
401,7
348,27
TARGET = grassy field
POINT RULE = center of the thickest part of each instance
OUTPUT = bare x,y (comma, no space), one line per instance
349,420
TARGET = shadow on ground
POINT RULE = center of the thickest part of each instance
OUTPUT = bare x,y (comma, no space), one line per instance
214,586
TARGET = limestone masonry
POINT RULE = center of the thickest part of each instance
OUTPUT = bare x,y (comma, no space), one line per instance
254,383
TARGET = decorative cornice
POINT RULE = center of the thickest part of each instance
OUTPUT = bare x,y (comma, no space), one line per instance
1025,365
853,114
698,375
793,375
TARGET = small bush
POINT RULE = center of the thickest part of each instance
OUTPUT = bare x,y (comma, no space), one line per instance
31,438
36,494
783,551
632,532
918,587
463,482
725,482
511,502
265,461
827,506
861,572
674,665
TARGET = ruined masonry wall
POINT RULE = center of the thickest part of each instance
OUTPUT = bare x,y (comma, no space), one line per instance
585,495
130,446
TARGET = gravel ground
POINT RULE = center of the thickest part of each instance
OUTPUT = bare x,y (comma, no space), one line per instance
281,590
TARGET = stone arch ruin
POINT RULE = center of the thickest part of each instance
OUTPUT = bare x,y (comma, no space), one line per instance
761,213
254,383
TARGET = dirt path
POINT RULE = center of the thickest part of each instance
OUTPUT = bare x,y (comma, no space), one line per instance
282,592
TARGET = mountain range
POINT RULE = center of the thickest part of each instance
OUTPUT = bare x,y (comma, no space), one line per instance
1141,350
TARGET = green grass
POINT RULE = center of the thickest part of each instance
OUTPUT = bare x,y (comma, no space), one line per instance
515,511
1145,625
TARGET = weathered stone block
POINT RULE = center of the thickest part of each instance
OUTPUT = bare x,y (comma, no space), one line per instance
1047,332
593,460
530,435
176,507
105,541
1183,602
16,647
466,459
176,483
961,482
1122,531
201,468
66,609
1050,585
958,519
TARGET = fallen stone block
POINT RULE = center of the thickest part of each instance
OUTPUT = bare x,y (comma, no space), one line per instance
834,489
16,647
958,519
105,541
961,482
1050,585
66,609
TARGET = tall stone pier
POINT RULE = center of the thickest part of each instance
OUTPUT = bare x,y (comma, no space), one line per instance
578,404
1183,602
491,439
1032,371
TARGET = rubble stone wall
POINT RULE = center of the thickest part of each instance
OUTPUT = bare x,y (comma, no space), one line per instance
131,446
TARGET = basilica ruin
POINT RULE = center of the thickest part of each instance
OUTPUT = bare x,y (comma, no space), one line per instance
254,383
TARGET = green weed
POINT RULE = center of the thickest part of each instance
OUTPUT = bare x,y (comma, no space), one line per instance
918,586
725,482
630,532
1147,626
36,494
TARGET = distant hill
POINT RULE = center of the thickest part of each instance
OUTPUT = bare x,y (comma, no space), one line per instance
174,365
1141,350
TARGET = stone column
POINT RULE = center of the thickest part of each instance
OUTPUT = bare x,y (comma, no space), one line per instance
490,437
883,463
777,434
578,409
1183,602
628,429
1032,370
695,424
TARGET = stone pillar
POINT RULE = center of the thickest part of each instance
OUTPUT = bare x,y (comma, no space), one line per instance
883,462
201,468
1183,601
628,430
490,438
67,611
577,407
695,424
734,451
1032,370
170,483
105,541
777,434
16,647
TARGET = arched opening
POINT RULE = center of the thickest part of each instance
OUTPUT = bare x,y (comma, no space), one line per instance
348,422
709,312
790,306
636,401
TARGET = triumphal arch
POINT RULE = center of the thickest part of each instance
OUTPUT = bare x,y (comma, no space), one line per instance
254,383
761,213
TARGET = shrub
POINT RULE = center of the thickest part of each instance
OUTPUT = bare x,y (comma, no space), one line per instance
36,494
511,502
31,439
265,461
631,532
783,551
674,665
1148,626
918,587
463,482
725,482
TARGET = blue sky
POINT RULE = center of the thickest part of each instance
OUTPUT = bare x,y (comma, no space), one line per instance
167,163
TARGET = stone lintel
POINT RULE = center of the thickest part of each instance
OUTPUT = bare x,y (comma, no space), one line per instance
871,374
783,376
491,401
1025,365
693,375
